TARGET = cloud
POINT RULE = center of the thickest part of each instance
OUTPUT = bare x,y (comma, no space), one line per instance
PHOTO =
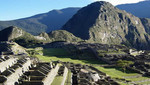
116,2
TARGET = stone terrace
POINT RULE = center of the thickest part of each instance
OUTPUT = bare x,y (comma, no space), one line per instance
11,75
6,62
41,74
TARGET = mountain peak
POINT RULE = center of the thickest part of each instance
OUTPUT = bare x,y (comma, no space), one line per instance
102,4
10,33
101,22
87,17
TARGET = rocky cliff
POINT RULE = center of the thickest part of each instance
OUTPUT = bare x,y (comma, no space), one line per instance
101,22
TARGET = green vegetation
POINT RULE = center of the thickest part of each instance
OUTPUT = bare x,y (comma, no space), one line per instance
101,53
55,52
123,64
57,80
62,35
68,79
61,54
25,42
117,74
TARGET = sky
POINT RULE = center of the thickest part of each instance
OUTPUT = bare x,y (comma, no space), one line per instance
15,9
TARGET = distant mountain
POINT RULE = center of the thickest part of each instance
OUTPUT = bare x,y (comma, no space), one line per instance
45,22
140,9
26,39
101,22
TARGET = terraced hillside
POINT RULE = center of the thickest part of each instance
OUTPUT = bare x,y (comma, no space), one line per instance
64,55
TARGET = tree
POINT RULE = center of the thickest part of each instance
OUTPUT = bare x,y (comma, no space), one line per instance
123,64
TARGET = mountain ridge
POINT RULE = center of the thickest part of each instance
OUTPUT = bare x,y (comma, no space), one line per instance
140,9
26,39
46,22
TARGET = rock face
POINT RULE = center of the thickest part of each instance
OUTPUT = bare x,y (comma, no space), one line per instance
101,22
11,33
146,23
45,36
45,22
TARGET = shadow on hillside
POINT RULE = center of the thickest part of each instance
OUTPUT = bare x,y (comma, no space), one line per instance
59,54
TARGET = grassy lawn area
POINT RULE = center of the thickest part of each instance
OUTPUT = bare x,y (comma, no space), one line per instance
68,82
57,80
62,55
138,79
55,52
113,72
145,83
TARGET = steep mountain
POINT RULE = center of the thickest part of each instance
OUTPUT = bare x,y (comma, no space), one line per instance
140,9
101,22
45,22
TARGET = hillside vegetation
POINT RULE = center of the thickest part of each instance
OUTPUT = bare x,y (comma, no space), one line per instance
45,22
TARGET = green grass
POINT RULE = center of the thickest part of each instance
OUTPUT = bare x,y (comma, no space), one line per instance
55,54
63,55
146,83
113,72
57,80
137,79
68,80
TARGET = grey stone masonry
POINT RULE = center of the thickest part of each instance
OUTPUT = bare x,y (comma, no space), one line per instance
14,72
42,74
64,76
6,62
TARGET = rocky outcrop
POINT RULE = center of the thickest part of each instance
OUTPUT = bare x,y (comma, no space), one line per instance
62,35
45,36
101,22
11,33
146,23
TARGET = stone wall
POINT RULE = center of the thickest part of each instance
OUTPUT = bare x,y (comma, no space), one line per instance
7,63
51,75
64,76
11,79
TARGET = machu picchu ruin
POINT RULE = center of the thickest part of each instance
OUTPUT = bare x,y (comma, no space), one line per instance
98,44
30,69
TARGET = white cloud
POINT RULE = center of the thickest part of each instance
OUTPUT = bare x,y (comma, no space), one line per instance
116,2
